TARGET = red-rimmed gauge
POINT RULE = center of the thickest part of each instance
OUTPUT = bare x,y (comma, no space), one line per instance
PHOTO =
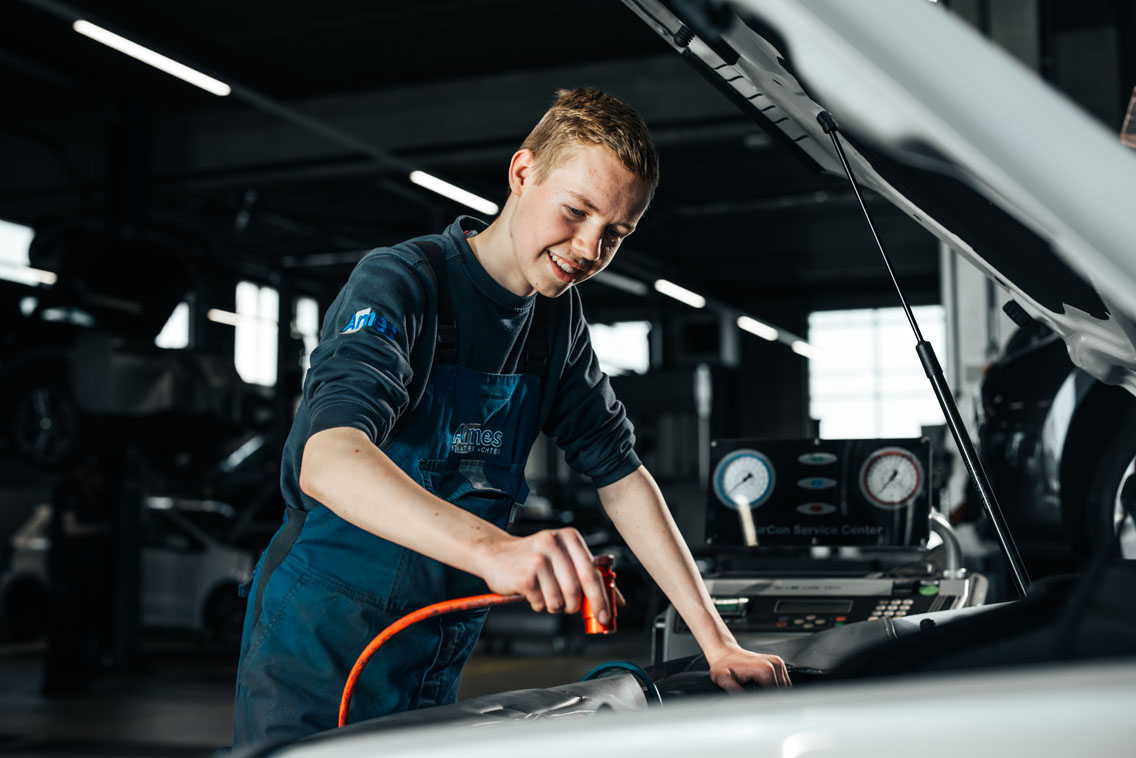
891,477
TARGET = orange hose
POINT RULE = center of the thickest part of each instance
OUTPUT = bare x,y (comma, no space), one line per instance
437,609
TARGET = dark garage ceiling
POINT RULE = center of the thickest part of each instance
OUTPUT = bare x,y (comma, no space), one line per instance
450,87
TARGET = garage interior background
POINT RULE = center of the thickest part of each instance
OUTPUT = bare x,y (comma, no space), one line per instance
163,234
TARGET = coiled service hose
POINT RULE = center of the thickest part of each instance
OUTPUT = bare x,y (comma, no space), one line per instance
592,624
437,609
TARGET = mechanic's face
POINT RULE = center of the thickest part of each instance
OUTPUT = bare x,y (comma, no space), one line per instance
567,228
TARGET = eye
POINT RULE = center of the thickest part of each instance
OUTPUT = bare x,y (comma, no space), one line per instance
575,211
613,233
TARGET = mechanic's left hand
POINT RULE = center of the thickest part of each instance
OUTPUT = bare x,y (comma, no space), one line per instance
735,667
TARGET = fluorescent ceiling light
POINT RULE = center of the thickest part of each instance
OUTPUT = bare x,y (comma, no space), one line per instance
237,319
39,275
800,347
445,189
681,294
621,282
223,317
134,50
753,326
26,274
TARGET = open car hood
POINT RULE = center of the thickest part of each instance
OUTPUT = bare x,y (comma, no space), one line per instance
971,144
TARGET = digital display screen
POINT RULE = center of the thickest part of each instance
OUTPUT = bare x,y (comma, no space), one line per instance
813,606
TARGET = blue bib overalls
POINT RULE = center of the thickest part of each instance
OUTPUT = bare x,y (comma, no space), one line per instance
324,588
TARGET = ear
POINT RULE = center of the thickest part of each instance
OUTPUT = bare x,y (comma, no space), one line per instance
522,168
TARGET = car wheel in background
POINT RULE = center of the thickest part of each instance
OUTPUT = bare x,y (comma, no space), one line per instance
1107,517
45,421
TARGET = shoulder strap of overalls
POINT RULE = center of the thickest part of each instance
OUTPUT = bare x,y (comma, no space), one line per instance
446,344
537,345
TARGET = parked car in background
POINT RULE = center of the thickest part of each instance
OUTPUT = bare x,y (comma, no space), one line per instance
189,577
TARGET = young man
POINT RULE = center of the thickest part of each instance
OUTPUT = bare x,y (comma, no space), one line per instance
440,361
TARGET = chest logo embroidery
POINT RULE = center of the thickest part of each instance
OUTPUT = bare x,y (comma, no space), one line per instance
471,438
368,318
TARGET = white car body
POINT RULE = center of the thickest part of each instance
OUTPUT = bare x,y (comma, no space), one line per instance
1054,712
183,568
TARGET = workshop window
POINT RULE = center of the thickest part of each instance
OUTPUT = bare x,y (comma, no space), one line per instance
14,243
622,348
175,334
867,380
307,326
254,345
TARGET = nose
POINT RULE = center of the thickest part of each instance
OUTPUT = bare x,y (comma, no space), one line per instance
588,243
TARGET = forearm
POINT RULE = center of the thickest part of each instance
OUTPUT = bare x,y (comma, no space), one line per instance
639,512
357,481
552,569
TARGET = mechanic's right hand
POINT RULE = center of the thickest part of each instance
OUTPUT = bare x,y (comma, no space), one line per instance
553,570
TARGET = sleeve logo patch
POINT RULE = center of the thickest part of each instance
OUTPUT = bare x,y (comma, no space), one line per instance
368,318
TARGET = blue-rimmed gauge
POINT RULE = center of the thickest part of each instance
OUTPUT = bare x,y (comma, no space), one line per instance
891,477
744,477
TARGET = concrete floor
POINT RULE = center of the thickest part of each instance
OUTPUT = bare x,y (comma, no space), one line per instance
182,704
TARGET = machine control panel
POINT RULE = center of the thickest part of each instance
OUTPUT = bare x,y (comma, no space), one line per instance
791,614
766,610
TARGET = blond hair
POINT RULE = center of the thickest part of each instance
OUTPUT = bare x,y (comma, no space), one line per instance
591,117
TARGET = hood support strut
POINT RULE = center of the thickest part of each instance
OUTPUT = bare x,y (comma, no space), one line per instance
942,391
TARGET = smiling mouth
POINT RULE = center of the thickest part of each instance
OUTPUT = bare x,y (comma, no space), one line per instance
563,269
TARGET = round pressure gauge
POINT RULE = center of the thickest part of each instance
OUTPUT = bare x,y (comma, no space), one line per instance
743,478
891,477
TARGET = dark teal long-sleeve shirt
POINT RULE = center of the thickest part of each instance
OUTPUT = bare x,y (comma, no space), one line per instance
377,347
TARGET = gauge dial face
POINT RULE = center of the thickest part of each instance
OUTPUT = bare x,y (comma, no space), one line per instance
743,478
891,477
